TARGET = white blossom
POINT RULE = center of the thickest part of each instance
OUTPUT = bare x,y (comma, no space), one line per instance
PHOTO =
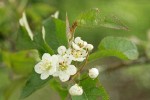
79,50
78,43
93,72
60,65
76,90
77,55
47,66
65,69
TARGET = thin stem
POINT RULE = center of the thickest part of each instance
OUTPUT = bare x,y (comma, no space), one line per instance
81,68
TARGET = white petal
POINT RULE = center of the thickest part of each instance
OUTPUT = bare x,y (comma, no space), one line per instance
52,70
60,58
85,43
56,74
84,53
37,68
55,57
69,51
71,57
64,77
79,59
61,50
89,47
46,57
75,46
71,70
44,75
55,60
67,60
77,40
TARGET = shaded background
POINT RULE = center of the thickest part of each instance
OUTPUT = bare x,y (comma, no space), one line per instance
122,80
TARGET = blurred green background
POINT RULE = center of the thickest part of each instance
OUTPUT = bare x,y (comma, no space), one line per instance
123,82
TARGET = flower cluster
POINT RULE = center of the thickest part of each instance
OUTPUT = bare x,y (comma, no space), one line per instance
60,65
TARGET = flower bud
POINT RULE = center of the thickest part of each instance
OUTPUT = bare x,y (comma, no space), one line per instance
89,47
93,72
76,90
61,50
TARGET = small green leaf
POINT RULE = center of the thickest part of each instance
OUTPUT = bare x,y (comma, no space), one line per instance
92,90
62,91
116,46
95,18
33,83
55,30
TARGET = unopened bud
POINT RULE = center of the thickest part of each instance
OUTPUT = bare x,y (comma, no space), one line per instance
93,72
76,90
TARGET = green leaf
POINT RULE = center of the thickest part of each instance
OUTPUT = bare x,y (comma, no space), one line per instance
90,18
33,83
24,42
55,30
93,90
116,46
41,45
95,18
62,91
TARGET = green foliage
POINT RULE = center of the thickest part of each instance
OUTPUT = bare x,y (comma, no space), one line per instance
90,18
55,36
33,83
116,46
21,66
55,30
39,10
95,18
24,42
92,90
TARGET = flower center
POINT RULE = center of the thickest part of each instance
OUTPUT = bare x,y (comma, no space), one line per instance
46,67
63,66
77,54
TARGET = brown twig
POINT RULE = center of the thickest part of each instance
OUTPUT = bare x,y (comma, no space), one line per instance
140,61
